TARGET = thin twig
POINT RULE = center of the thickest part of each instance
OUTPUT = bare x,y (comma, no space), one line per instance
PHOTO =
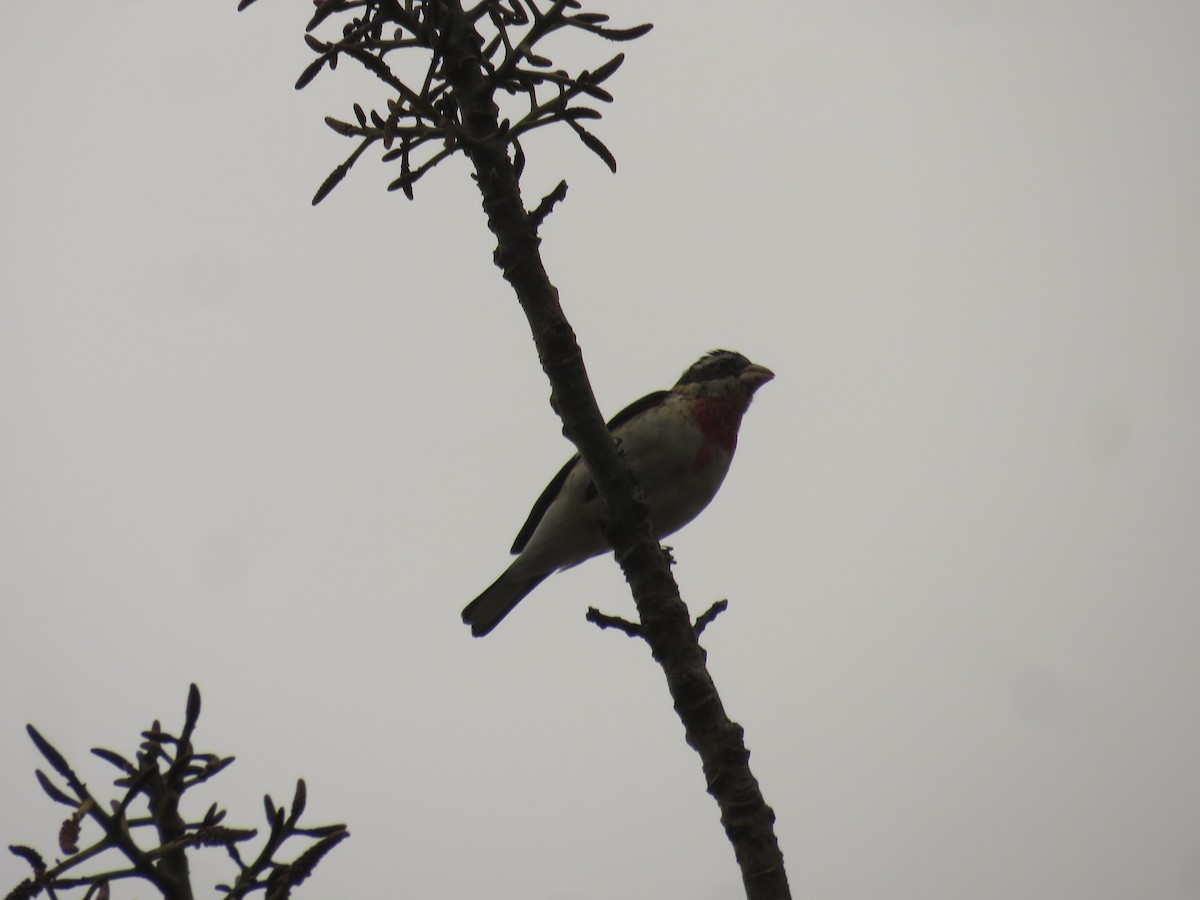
603,620
547,205
706,618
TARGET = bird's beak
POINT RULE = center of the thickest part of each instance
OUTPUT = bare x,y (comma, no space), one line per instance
755,376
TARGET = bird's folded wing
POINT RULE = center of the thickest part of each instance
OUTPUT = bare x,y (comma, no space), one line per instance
551,492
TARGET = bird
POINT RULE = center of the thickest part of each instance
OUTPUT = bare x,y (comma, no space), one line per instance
678,445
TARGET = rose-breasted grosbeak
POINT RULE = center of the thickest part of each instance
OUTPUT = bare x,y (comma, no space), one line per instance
678,445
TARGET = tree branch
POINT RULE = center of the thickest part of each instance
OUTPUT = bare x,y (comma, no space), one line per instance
667,625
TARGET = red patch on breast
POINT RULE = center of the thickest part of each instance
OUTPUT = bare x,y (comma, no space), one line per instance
719,419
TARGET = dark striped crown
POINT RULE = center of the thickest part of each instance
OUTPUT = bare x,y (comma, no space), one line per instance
714,365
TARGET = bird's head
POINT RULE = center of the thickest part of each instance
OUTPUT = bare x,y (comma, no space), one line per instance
726,366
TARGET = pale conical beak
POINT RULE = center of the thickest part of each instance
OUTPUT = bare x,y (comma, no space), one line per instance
756,376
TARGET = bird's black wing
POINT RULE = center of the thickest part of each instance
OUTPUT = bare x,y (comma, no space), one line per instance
543,502
637,408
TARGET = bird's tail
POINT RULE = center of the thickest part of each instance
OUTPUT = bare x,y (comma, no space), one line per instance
485,611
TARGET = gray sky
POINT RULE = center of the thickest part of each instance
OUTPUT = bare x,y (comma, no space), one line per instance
275,450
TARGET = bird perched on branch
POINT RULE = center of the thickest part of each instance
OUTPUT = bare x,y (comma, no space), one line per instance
678,445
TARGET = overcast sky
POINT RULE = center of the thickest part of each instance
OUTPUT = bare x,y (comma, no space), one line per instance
275,449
